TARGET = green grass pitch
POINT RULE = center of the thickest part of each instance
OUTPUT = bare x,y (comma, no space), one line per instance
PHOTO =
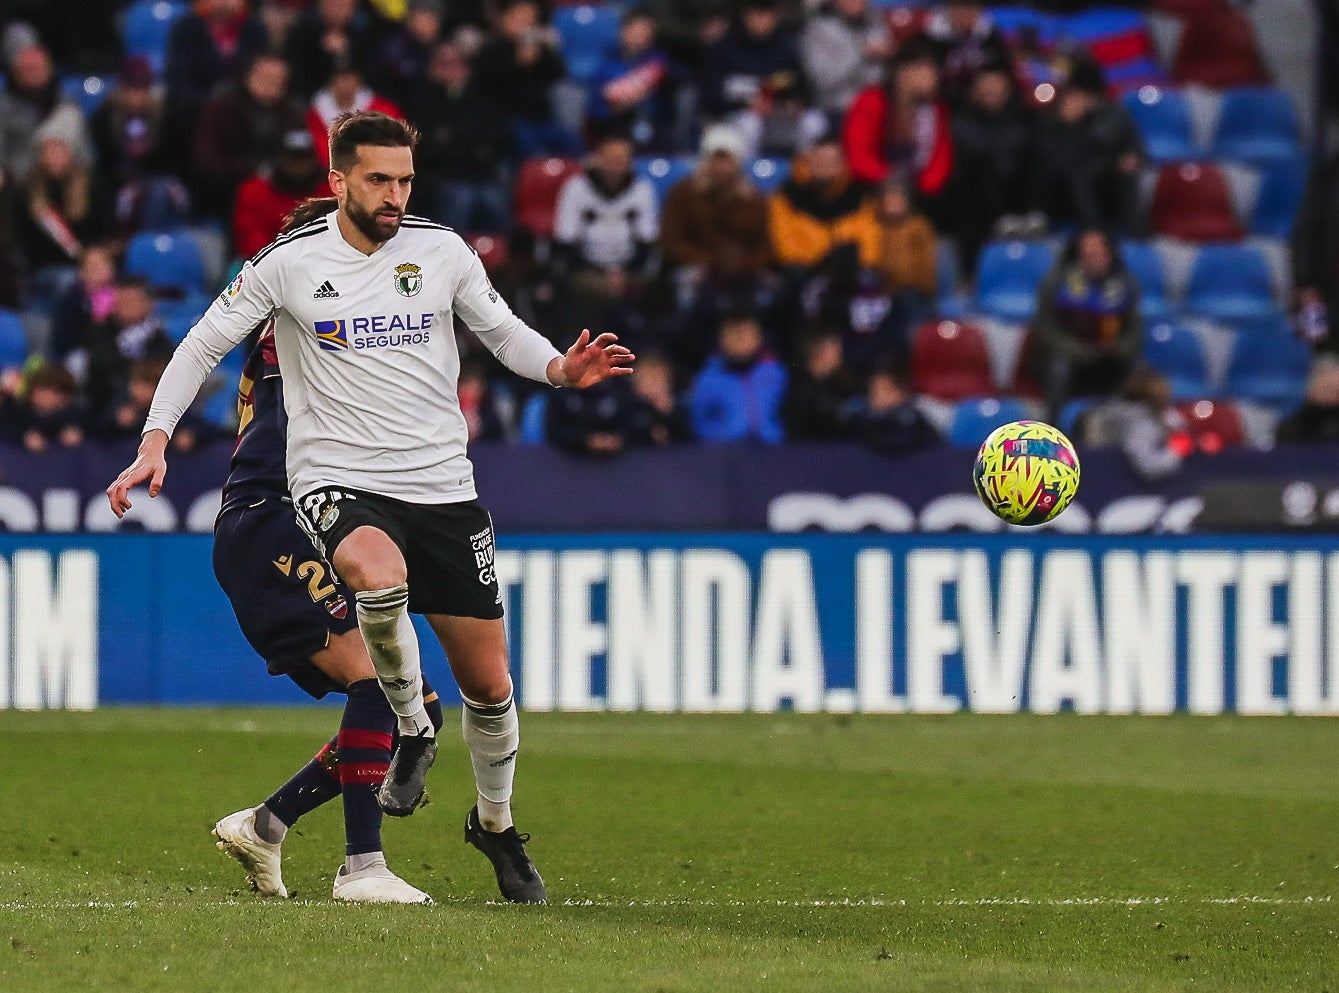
712,853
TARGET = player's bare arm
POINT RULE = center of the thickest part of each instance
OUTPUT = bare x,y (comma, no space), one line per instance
589,362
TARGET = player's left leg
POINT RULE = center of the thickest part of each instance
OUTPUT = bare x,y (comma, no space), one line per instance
477,650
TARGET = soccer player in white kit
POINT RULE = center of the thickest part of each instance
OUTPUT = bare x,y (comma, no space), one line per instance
363,300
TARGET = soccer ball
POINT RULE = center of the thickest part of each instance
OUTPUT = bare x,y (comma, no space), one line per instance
1026,472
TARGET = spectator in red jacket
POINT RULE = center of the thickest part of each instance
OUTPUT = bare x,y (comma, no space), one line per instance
900,130
267,197
344,93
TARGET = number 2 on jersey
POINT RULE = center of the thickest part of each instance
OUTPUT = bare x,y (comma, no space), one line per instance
314,573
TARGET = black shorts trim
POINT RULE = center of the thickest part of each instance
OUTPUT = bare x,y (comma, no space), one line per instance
448,548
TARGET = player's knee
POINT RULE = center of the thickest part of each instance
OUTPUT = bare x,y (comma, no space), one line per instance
489,688
369,560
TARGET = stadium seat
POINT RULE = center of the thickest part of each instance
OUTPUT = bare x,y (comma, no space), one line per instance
1218,49
1213,425
953,302
13,341
1270,369
1279,198
534,414
1177,353
1008,275
1145,264
1073,410
1014,21
86,91
1132,76
587,33
1258,124
179,316
1192,202
1231,283
1163,119
492,248
146,27
768,174
950,361
974,419
168,260
537,185
662,172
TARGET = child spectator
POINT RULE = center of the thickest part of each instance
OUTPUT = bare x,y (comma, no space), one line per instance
1317,420
46,411
737,395
818,402
890,422
88,300
658,417
1150,432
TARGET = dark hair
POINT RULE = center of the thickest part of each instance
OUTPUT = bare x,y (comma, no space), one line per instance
53,376
308,211
366,127
135,283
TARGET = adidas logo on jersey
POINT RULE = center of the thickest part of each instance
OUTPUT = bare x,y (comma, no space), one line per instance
325,292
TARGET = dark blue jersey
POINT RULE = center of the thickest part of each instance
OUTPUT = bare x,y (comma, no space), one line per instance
258,468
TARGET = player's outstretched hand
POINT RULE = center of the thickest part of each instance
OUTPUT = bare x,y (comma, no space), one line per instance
150,464
589,362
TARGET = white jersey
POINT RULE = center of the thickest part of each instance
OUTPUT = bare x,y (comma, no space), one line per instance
368,352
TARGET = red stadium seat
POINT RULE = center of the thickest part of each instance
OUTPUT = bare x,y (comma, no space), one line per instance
1219,49
1191,201
1213,424
492,248
537,187
950,361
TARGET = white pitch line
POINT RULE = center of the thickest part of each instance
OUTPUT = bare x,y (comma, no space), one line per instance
845,902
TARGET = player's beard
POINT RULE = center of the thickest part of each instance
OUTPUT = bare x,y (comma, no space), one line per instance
376,226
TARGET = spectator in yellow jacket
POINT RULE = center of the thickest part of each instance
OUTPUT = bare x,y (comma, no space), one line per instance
821,207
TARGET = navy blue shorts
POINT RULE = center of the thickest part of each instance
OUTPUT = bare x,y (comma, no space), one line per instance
285,598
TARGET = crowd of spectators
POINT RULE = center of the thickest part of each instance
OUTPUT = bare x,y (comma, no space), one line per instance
758,316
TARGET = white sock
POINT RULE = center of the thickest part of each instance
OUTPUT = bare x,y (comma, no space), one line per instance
493,734
383,619
357,863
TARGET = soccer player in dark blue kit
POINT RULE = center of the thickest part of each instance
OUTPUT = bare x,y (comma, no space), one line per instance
299,618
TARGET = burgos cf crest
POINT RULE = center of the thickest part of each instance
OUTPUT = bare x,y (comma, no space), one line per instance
332,336
408,279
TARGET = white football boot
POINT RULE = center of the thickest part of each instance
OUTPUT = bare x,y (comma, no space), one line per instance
237,837
375,884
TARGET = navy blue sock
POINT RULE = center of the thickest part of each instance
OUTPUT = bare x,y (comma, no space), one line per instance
315,783
432,703
364,745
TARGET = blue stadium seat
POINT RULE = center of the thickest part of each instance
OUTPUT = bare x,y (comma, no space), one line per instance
1282,186
1177,353
1231,283
167,260
1163,118
1269,369
1072,411
13,342
662,172
1008,275
587,34
768,174
1145,264
179,316
974,419
1014,20
1257,124
534,415
146,27
86,91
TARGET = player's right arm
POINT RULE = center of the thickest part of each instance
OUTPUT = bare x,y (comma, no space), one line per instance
247,301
